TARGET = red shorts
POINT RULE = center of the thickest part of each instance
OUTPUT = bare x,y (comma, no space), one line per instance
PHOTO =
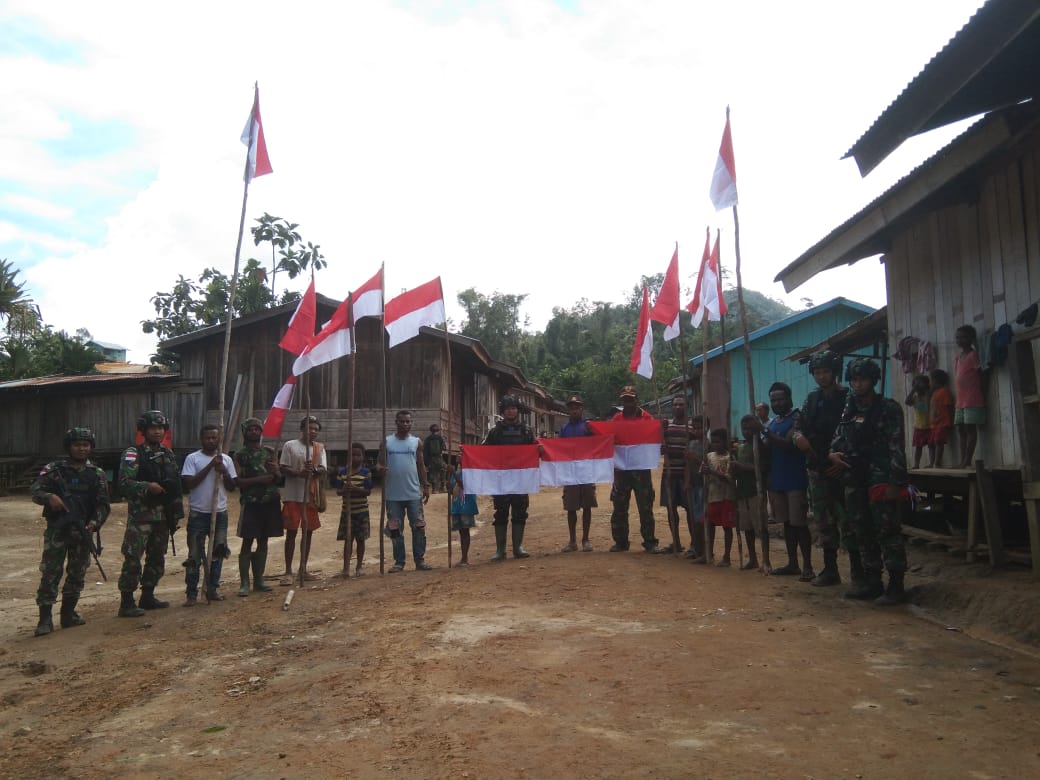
940,436
292,512
922,437
723,514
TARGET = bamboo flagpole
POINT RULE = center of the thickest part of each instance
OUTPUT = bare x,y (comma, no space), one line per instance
451,422
383,336
348,484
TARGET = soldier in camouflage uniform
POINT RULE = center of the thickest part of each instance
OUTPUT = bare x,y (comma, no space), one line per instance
813,434
868,449
637,481
74,495
149,477
260,516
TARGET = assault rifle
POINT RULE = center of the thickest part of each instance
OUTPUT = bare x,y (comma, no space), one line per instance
73,520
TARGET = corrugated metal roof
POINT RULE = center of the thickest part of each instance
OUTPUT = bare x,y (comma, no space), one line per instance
859,334
87,379
991,63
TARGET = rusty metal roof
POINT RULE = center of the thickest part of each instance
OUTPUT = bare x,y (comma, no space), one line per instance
991,63
88,380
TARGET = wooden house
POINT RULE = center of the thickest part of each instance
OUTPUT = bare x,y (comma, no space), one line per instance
959,235
771,346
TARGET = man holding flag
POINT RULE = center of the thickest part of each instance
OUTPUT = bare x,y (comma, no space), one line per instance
510,430
406,489
636,481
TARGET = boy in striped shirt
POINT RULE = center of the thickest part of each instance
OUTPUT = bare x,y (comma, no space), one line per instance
354,483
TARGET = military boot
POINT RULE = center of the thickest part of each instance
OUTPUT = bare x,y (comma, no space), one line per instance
46,624
868,588
500,543
127,607
69,616
856,568
149,601
895,594
244,559
829,575
518,540
259,564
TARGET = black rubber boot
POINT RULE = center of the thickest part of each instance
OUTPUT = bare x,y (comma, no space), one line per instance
244,560
856,568
69,616
259,564
46,624
868,589
791,543
894,594
829,575
127,607
149,601
500,543
518,541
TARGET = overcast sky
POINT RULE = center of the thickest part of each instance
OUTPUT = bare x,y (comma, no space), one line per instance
554,149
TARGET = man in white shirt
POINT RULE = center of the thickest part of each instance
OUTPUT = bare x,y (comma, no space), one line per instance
304,465
207,473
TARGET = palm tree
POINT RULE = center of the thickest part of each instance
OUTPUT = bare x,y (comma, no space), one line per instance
12,292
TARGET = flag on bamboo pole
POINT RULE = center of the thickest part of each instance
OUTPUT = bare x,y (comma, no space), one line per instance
637,442
259,163
331,342
410,310
666,307
707,296
368,298
276,417
301,324
500,470
581,460
641,362
723,190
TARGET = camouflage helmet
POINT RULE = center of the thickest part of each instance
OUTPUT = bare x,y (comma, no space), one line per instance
78,434
151,418
826,358
863,367
509,400
251,421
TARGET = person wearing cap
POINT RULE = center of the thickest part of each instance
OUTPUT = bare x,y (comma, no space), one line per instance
434,448
510,430
674,479
304,465
577,497
260,516
627,482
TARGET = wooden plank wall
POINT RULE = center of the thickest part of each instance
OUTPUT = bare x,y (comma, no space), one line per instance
974,263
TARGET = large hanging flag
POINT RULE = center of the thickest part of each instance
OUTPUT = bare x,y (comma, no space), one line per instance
707,296
410,310
637,442
276,417
253,137
723,190
331,342
368,298
666,307
580,460
500,470
641,361
301,325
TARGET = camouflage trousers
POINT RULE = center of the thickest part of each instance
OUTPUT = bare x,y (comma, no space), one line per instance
875,526
830,523
150,540
626,483
518,502
56,546
435,473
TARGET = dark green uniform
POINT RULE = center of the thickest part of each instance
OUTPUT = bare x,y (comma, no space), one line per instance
84,490
817,422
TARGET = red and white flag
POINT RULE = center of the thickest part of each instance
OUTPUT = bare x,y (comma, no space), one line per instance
637,442
497,470
724,180
666,307
707,296
331,342
580,460
258,162
276,417
301,324
409,311
641,362
368,298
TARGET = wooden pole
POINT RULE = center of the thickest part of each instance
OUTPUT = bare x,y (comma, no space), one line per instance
382,442
350,435
447,359
304,547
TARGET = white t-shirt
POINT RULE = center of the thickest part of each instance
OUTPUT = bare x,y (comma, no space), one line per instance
200,499
294,454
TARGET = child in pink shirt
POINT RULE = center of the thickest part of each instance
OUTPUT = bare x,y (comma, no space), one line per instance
971,403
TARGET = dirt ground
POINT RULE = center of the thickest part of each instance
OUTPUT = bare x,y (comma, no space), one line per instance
561,665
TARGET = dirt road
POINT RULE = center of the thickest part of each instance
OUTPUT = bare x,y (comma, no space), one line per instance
562,665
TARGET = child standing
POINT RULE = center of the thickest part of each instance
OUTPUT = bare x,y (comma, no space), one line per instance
919,400
464,510
941,413
720,493
751,514
971,404
354,483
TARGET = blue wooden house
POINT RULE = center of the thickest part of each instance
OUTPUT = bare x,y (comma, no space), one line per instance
726,383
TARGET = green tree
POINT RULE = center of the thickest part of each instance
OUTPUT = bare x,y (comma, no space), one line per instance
12,292
495,320
288,253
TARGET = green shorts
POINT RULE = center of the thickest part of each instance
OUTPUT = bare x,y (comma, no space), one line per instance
970,415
